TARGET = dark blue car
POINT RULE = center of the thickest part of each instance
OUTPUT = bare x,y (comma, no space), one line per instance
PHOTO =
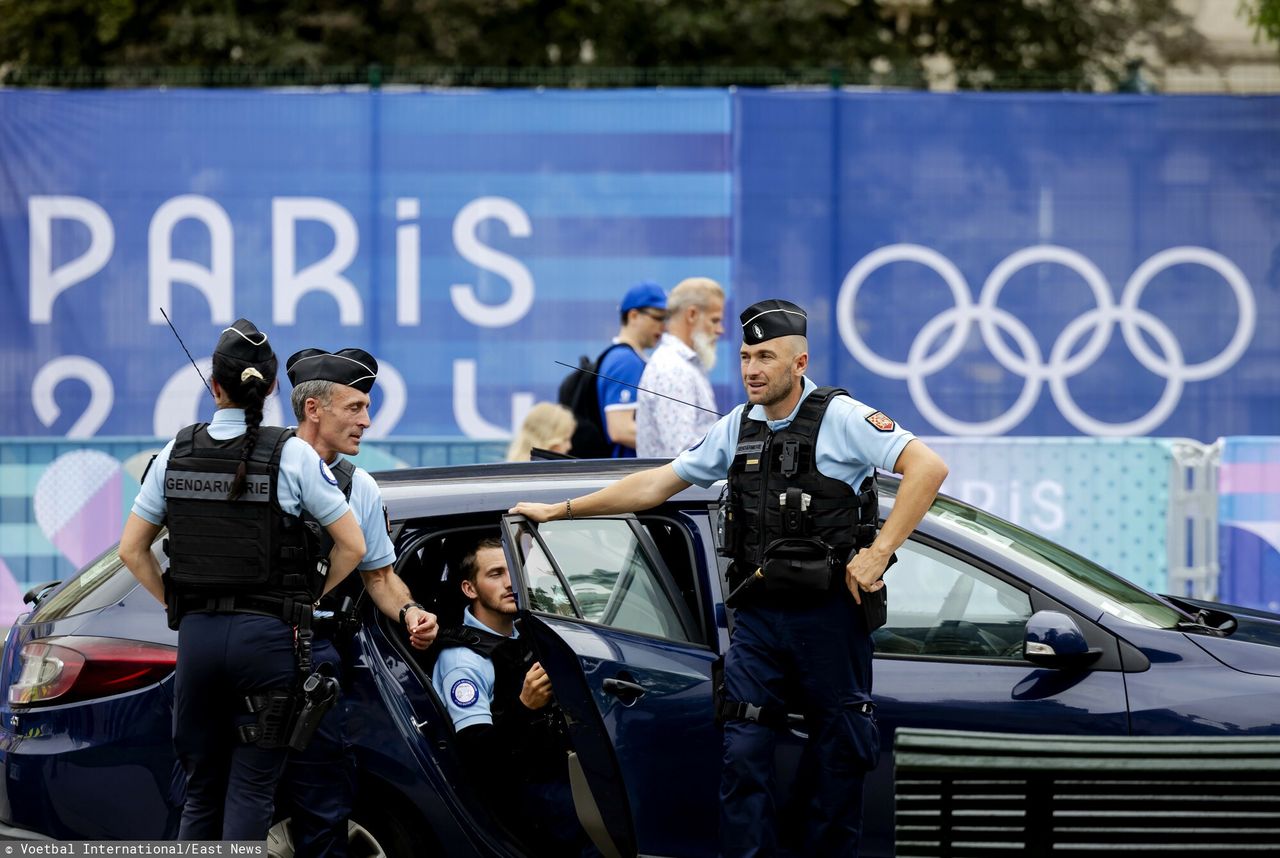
990,628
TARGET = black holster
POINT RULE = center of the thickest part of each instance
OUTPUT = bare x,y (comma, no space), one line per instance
769,715
346,622
727,524
319,694
275,710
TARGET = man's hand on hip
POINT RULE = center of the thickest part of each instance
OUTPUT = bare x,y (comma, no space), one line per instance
864,571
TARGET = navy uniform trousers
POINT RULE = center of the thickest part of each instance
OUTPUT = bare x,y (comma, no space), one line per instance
231,785
318,786
821,650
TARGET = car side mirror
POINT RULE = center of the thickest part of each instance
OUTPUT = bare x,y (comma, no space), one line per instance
1054,640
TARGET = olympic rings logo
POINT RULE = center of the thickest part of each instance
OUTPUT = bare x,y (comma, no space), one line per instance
1098,324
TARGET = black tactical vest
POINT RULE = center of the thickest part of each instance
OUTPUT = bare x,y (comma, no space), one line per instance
780,506
543,754
241,555
344,471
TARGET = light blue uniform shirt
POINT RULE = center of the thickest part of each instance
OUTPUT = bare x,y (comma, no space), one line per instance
849,446
463,679
305,482
366,503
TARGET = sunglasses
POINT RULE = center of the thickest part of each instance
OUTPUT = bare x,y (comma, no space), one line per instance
656,315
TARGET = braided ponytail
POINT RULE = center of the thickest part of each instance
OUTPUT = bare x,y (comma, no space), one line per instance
254,393
247,386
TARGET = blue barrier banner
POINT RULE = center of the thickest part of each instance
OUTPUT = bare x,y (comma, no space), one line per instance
1249,522
987,265
468,240
974,264
1026,264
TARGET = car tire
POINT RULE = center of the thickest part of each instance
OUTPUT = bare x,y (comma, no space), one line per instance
390,833
371,833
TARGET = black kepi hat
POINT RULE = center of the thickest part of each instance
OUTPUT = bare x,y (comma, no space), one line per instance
765,320
352,367
245,343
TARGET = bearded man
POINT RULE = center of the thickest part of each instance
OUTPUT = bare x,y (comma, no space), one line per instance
679,368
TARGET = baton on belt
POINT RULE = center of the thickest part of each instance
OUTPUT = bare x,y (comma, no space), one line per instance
747,584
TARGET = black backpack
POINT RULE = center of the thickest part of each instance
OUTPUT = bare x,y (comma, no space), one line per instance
578,393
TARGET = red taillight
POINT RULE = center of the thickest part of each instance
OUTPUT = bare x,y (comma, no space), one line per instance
66,669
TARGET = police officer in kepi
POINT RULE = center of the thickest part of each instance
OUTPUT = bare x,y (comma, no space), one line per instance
499,699
331,401
240,586
799,523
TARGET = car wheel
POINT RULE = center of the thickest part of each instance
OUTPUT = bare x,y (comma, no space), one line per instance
385,834
380,838
280,840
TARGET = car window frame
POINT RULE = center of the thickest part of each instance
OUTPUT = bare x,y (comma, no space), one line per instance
694,527
694,632
951,552
1111,642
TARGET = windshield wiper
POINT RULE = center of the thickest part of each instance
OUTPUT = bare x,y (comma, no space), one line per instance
1200,620
1217,623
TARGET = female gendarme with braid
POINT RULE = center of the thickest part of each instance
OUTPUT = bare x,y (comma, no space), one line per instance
241,579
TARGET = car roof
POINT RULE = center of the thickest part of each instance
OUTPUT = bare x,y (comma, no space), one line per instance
609,469
537,469
414,492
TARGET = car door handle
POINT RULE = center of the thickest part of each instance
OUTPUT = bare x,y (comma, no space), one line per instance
624,690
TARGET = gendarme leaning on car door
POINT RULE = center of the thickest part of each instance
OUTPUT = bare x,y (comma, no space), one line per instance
801,533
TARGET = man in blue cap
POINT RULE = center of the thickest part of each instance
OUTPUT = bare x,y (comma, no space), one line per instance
801,532
644,315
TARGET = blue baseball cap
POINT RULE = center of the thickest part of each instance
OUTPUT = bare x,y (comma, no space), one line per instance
643,295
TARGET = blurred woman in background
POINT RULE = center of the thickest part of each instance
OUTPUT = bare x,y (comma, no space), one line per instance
547,426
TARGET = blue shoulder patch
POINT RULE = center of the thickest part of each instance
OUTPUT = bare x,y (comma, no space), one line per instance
464,693
327,474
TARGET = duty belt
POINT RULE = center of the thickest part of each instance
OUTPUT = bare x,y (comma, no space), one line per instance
770,714
287,608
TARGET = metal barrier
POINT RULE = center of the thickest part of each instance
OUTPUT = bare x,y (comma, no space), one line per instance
1193,520
983,794
1249,521
1145,508
374,76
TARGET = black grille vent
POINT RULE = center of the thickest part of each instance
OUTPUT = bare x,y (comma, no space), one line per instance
989,794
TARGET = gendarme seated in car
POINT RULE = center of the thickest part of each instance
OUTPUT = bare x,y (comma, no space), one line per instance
990,628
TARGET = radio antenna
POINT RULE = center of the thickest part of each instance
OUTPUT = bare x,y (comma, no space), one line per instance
185,349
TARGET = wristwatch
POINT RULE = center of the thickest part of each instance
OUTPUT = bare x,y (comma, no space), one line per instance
404,610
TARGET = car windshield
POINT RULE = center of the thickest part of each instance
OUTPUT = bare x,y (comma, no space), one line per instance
1108,592
103,582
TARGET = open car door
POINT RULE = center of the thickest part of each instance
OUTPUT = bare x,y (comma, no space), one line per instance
632,675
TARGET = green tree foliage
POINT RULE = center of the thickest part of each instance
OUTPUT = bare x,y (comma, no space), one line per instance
1059,43
1264,15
